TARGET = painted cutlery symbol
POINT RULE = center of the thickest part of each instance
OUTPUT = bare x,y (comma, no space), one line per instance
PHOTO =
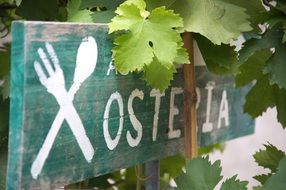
85,64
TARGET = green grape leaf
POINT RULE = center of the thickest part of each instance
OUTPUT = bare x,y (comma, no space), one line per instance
252,68
269,158
38,10
169,4
108,4
5,88
128,15
269,75
211,148
5,61
259,98
78,14
131,179
182,55
281,6
276,20
262,178
277,180
219,59
75,14
18,2
257,188
147,35
200,174
5,71
271,38
6,1
254,9
102,16
284,35
172,165
276,67
280,98
226,20
158,76
234,184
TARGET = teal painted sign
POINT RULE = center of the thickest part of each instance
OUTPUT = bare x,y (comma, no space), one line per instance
73,117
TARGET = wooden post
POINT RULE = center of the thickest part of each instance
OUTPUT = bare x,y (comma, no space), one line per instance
190,100
152,174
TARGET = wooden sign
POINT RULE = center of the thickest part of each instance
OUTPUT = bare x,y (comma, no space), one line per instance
73,117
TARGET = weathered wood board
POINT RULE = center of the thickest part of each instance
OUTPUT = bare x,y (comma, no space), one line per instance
72,117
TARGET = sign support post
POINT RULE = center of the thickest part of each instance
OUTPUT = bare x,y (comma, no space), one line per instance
190,99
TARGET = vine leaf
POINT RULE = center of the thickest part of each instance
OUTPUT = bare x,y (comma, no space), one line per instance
254,9
5,71
108,4
252,68
18,2
261,95
284,30
200,174
167,171
262,178
270,39
269,158
149,42
281,6
226,20
38,10
277,180
234,184
280,98
276,67
155,72
5,89
219,59
75,14
178,162
266,70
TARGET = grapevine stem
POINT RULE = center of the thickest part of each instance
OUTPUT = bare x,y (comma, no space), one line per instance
139,173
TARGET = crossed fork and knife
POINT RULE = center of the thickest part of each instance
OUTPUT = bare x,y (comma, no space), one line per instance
55,84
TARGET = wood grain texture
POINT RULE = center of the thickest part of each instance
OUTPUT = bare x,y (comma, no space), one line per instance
33,110
190,100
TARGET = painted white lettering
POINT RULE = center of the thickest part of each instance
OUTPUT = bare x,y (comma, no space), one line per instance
208,126
223,110
174,133
135,122
156,93
112,143
111,67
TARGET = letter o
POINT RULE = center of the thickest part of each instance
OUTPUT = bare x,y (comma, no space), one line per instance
112,143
